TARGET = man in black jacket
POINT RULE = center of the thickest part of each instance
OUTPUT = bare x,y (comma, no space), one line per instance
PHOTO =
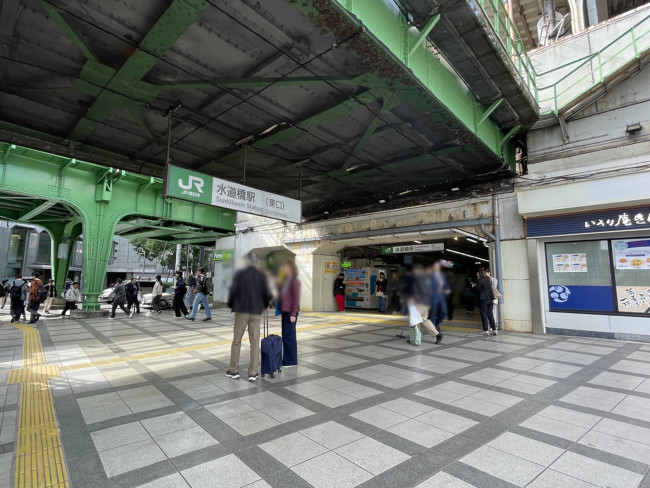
51,295
180,310
249,296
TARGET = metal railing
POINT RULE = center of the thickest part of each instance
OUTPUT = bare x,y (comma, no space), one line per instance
583,74
510,40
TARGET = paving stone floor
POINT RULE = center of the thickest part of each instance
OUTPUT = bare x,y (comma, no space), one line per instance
363,408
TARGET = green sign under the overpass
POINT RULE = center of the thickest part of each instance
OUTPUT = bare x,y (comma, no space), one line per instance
202,188
413,248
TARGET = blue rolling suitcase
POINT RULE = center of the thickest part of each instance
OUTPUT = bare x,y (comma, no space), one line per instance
271,350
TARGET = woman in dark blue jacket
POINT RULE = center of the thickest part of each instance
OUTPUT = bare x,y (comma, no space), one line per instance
180,310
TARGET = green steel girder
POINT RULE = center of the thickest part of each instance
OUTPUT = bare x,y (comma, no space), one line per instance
124,87
36,210
43,176
418,75
259,82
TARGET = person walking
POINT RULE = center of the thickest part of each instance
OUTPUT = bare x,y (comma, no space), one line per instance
469,295
380,292
339,292
202,289
132,291
18,294
119,299
486,303
439,290
4,291
289,306
249,296
392,294
68,284
72,297
191,294
51,295
37,295
180,310
419,294
157,295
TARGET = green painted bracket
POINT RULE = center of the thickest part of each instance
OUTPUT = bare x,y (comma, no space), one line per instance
489,110
428,27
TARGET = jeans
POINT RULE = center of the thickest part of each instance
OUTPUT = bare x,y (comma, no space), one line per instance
487,314
381,303
242,322
438,310
289,343
32,308
198,299
17,308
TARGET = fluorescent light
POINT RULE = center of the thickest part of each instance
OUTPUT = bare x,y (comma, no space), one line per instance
455,238
406,234
472,240
382,201
418,242
467,255
438,231
469,234
404,193
455,188
326,212
355,166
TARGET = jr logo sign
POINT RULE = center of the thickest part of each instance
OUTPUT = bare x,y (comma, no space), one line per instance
193,181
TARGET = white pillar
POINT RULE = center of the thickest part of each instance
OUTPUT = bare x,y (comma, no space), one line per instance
177,263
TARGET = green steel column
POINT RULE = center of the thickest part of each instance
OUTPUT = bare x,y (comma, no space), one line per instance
98,232
70,234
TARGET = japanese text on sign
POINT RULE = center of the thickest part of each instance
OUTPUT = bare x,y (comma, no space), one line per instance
623,220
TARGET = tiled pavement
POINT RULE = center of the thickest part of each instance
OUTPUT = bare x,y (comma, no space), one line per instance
363,409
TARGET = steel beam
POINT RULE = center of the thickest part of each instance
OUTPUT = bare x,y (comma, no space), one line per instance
259,82
489,110
423,34
162,35
26,217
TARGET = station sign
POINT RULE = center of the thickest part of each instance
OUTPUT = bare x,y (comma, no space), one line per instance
225,255
208,190
436,246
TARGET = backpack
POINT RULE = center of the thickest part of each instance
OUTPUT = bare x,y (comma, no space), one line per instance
41,293
205,286
17,291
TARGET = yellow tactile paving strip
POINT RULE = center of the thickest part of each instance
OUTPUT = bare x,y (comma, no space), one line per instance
39,454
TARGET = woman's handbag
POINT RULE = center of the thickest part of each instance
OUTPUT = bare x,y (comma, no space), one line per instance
495,293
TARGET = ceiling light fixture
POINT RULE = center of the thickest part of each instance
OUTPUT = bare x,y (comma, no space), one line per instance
467,255
355,167
472,240
469,234
455,189
404,193
382,201
418,242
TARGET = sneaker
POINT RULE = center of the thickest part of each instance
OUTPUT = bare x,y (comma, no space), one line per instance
207,319
254,377
486,332
230,374
47,311
13,319
189,318
130,315
439,338
494,332
111,318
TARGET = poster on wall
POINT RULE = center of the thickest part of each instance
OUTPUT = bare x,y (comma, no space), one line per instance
570,263
632,253
633,299
331,267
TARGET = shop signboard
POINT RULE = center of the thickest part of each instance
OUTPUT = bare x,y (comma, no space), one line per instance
611,220
224,255
201,188
346,264
437,246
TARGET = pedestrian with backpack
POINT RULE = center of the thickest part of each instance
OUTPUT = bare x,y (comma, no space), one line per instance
37,295
18,294
202,289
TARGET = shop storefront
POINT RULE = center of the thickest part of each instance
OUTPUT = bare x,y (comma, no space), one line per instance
594,271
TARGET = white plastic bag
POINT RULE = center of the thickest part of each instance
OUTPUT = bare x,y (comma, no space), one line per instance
414,316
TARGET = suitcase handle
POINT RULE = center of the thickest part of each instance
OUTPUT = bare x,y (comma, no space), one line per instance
266,322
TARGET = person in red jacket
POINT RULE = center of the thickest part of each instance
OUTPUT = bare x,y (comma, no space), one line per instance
289,306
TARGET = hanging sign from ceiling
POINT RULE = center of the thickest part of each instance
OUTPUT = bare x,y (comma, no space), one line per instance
201,188
436,246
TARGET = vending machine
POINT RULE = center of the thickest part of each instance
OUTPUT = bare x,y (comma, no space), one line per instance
360,287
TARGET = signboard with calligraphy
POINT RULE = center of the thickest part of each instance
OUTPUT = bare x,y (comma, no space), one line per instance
437,246
201,188
614,220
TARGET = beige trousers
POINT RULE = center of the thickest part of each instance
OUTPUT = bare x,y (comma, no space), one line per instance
426,323
48,303
242,322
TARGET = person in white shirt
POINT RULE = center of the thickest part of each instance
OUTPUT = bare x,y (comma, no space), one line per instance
72,297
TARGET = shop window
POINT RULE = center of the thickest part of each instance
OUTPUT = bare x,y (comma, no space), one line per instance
632,274
580,276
